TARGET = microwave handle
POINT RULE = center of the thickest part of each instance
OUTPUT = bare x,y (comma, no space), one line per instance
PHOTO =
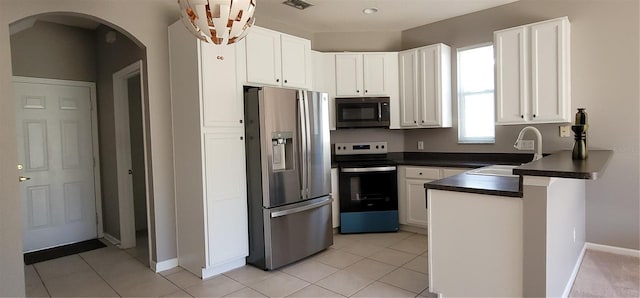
379,112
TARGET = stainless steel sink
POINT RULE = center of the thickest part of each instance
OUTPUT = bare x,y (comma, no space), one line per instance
495,170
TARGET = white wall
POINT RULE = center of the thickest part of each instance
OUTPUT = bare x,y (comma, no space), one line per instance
146,21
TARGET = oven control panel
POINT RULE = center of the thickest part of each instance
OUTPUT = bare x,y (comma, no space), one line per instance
360,148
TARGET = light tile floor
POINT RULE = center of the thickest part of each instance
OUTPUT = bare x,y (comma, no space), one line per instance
359,265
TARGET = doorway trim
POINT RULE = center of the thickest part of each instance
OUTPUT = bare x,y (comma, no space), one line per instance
97,189
123,154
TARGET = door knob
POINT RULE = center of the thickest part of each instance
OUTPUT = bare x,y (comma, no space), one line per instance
23,178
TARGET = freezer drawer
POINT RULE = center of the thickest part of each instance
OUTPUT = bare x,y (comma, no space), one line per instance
297,232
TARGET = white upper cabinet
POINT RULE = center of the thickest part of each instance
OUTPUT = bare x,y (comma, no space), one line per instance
533,82
324,80
366,74
349,75
218,66
277,59
425,87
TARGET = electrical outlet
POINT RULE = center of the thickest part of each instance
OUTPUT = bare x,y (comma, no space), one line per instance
565,131
420,145
525,145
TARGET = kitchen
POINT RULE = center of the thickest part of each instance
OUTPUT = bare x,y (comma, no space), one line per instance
596,83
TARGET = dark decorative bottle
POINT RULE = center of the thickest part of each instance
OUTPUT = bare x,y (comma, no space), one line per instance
580,131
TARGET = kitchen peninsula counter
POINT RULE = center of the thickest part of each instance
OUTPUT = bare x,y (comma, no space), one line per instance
557,165
533,242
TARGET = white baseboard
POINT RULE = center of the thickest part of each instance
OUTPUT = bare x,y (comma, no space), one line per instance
164,265
222,268
111,239
574,273
613,249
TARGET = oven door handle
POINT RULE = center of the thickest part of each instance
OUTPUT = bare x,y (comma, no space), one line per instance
368,169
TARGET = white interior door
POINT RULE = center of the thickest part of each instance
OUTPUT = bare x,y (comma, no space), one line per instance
54,132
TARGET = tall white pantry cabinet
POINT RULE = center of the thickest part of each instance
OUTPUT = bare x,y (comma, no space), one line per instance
209,165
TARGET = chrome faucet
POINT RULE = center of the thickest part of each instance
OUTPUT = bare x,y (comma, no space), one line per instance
538,153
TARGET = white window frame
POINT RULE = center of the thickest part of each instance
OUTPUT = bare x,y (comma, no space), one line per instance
461,95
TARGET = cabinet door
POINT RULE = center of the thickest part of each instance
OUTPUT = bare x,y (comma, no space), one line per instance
416,202
349,75
429,86
375,67
550,72
226,197
408,70
511,75
221,106
324,80
295,61
263,57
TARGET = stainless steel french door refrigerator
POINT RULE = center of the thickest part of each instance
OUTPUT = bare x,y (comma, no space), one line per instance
288,175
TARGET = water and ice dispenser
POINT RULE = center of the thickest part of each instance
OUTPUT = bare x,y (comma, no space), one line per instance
282,143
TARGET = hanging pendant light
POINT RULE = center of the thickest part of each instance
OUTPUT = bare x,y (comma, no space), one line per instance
220,22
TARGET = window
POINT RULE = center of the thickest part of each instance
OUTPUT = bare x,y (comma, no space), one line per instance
476,123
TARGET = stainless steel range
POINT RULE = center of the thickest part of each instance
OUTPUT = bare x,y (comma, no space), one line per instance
368,188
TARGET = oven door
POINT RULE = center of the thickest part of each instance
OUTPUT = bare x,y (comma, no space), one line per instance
368,189
362,112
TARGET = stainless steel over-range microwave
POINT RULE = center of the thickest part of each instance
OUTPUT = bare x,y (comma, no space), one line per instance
361,112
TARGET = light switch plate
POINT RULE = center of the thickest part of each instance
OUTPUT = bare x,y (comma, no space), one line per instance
565,131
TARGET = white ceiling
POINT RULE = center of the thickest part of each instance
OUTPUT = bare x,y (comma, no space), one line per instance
347,16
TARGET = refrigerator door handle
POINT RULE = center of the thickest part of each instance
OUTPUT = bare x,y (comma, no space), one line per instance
303,142
301,208
308,139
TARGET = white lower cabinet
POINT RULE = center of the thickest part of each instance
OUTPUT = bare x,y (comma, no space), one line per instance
209,158
412,203
335,205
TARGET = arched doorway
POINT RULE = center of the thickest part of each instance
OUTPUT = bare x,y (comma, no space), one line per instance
72,47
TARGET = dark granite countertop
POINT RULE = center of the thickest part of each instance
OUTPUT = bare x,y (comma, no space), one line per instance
454,159
561,165
558,165
458,160
480,184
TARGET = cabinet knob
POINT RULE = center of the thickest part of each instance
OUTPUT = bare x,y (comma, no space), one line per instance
420,173
241,138
422,121
522,116
240,121
285,81
415,121
534,115
366,91
220,57
278,80
357,91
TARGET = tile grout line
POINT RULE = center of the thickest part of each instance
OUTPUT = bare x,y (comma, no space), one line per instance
41,280
177,286
101,277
